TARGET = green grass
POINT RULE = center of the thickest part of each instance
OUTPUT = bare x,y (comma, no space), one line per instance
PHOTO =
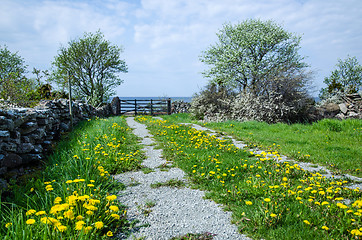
332,143
268,200
71,198
195,236
170,183
147,170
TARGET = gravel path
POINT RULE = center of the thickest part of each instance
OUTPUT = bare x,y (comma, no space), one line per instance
167,212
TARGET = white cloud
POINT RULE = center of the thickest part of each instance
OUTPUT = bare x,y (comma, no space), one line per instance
164,38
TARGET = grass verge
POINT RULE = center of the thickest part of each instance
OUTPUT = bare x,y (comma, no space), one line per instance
72,197
269,200
332,143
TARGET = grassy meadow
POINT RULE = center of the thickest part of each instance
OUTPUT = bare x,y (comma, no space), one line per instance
269,200
332,143
73,196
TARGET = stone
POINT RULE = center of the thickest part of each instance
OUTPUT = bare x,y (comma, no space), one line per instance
25,139
12,160
25,148
28,127
3,170
6,123
340,116
343,108
15,137
38,134
353,115
42,121
331,107
3,185
38,149
64,127
27,158
116,106
9,147
4,134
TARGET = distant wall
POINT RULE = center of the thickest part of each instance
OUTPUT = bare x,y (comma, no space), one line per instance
27,134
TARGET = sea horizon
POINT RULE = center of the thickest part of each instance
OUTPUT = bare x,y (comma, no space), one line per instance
185,99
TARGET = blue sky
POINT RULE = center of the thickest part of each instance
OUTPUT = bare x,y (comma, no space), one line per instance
163,39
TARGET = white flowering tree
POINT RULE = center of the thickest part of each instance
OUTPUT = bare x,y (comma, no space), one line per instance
258,57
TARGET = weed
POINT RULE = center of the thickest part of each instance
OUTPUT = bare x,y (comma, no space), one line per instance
147,170
171,183
195,236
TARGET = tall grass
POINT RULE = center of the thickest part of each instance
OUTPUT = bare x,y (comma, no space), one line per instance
333,143
71,198
269,200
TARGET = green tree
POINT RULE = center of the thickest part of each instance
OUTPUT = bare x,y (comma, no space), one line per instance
346,78
258,57
94,65
13,83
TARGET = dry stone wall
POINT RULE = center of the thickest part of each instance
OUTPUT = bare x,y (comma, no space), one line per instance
27,134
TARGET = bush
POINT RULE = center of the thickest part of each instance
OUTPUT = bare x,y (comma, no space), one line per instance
212,104
218,104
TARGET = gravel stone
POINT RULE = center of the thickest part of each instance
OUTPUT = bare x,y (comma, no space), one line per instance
176,211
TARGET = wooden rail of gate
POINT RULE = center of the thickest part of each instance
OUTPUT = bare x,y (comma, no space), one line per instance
145,107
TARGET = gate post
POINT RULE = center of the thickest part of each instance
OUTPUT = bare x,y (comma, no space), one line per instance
135,107
151,108
169,106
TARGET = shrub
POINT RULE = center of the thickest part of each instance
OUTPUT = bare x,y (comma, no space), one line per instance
215,104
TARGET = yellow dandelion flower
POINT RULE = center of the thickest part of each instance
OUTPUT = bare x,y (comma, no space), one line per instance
114,208
61,228
40,213
267,199
79,225
306,222
325,228
57,200
115,216
89,212
109,234
69,214
30,221
98,225
273,215
111,198
356,232
30,212
8,225
248,203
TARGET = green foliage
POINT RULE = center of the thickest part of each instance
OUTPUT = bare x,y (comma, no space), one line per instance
11,63
268,199
259,60
346,78
257,56
14,86
71,199
93,64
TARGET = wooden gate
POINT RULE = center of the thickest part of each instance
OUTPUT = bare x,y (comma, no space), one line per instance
145,107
